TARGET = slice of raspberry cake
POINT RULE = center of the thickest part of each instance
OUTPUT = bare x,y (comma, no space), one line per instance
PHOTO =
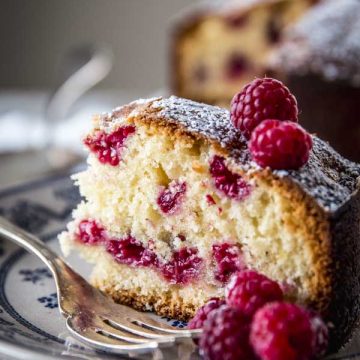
173,205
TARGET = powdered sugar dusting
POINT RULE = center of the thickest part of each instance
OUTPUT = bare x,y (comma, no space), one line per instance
326,41
211,122
112,120
328,177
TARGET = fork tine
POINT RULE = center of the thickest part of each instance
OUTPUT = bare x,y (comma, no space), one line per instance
130,327
92,338
137,328
157,325
108,329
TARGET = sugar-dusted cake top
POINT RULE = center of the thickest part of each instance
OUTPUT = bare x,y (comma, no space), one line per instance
326,41
327,176
210,122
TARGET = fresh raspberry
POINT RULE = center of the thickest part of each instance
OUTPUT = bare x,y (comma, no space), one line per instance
280,145
184,266
231,184
226,335
107,147
249,291
131,252
170,198
90,232
321,334
197,322
228,260
260,100
282,331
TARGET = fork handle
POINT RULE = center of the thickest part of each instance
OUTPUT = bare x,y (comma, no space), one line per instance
65,277
28,242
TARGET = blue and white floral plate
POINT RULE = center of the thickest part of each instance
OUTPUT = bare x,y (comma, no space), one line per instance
31,326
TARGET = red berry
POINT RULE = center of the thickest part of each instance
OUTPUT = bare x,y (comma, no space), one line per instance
170,198
321,335
249,291
184,266
282,331
210,200
90,232
131,252
228,260
197,322
231,184
280,145
226,335
260,100
107,147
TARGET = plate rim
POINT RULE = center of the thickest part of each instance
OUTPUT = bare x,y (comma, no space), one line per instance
6,347
25,351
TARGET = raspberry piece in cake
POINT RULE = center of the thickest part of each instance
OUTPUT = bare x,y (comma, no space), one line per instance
107,147
170,199
210,200
273,29
226,335
260,100
90,232
184,266
130,251
236,20
200,74
249,291
197,322
280,145
236,66
181,237
227,261
282,331
232,185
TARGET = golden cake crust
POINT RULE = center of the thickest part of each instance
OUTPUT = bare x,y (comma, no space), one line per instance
162,304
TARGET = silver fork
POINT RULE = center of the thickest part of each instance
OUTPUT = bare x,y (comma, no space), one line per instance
92,317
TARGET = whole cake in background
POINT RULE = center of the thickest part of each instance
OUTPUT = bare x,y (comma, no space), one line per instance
319,59
220,45
180,196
